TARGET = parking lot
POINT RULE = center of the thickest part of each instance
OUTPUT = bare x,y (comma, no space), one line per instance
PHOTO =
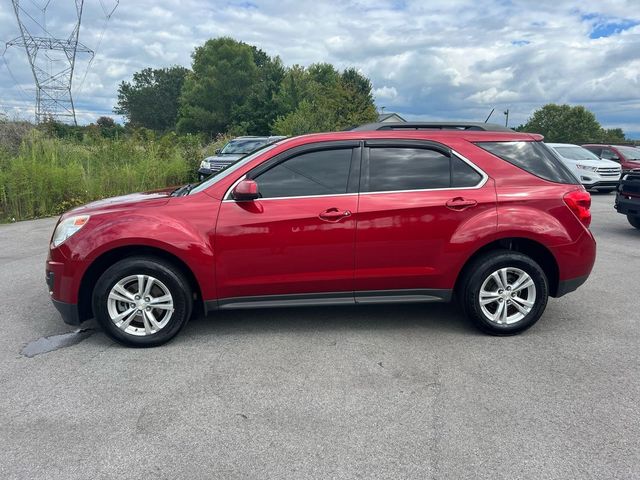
398,392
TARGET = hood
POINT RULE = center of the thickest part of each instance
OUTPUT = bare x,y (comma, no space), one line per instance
224,158
594,163
137,200
632,164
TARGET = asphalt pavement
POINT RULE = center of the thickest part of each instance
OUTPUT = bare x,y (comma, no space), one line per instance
397,392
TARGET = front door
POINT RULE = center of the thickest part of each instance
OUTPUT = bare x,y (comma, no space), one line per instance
298,238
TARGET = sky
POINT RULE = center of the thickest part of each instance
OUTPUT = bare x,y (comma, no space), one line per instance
427,60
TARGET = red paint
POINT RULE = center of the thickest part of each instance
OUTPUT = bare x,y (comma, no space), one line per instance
623,160
342,243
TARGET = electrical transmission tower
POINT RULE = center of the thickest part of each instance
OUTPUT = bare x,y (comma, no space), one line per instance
52,62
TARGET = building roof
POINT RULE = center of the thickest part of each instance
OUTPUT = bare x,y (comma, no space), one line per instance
390,117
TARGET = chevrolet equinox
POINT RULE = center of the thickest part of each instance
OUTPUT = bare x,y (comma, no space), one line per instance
491,218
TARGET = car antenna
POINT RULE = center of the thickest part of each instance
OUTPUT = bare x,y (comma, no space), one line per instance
490,113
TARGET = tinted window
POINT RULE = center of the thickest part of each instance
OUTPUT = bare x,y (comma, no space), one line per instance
534,157
596,150
315,173
608,154
235,147
462,175
394,168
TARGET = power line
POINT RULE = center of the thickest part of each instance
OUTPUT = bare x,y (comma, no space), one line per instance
104,29
53,86
4,59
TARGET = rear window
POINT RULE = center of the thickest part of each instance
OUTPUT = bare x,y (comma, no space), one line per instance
534,157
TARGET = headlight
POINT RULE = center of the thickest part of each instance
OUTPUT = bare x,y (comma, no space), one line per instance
68,227
587,167
204,164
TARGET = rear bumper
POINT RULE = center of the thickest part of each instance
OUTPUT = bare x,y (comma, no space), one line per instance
568,286
68,311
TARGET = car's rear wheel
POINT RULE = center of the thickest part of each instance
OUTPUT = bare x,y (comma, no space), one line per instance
634,221
504,292
142,301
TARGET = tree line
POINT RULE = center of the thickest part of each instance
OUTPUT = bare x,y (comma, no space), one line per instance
570,124
236,88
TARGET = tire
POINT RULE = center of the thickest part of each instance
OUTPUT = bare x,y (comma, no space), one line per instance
634,221
519,269
168,301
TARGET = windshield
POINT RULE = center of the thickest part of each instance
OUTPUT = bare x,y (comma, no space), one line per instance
575,153
231,168
630,153
242,147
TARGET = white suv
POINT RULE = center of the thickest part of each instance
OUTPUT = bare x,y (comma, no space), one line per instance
593,172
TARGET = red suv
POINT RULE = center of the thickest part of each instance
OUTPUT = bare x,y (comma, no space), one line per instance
492,218
628,157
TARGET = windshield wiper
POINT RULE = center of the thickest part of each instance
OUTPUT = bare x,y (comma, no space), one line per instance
184,190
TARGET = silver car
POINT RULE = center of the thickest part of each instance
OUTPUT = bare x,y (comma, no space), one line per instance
231,152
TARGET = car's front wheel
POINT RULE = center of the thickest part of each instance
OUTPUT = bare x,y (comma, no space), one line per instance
142,301
634,221
504,292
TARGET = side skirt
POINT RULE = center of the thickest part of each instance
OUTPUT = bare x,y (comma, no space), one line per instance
332,298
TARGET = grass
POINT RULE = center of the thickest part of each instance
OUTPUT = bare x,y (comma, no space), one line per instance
46,176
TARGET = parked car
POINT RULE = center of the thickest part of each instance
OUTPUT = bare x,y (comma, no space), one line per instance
231,152
358,217
593,173
628,198
627,157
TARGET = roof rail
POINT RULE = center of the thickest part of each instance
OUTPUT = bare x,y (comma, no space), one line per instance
478,126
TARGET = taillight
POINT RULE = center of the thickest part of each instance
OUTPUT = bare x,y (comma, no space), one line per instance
579,202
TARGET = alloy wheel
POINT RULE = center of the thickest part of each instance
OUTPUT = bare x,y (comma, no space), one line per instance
140,305
507,296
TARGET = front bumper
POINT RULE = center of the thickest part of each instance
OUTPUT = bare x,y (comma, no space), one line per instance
627,205
603,184
68,311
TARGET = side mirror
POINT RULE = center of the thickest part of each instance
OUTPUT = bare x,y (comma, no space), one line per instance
217,151
245,190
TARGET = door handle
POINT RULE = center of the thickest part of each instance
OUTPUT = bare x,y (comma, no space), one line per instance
333,215
459,203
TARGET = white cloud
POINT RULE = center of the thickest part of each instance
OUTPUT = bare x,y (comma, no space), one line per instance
453,59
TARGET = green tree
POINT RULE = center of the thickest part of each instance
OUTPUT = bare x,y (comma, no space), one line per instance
611,135
563,124
256,114
223,77
105,122
151,99
322,99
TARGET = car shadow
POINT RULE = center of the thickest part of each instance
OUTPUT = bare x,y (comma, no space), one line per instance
432,316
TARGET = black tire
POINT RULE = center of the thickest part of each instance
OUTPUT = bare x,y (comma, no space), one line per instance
634,221
481,269
170,277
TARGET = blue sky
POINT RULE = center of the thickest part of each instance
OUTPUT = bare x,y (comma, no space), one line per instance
435,60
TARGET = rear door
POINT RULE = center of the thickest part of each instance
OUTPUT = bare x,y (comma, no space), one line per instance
414,197
298,239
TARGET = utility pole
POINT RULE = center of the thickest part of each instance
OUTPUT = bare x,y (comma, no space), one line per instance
506,120
53,83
